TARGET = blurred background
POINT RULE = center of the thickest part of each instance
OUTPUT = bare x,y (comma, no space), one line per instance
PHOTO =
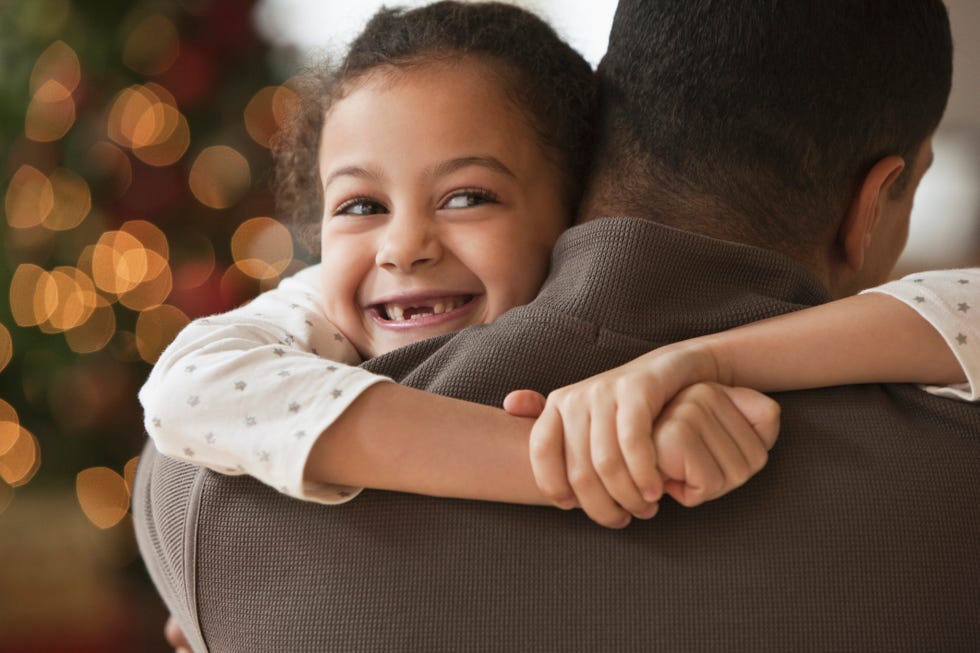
134,142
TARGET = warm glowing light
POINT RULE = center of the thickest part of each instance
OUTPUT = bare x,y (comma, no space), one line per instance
33,295
103,496
119,262
95,333
169,150
22,460
129,472
72,201
58,63
152,45
150,235
76,299
219,177
267,111
6,347
155,290
262,248
48,120
29,199
7,414
9,433
156,328
146,119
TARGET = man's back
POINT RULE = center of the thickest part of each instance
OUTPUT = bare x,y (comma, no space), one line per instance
859,535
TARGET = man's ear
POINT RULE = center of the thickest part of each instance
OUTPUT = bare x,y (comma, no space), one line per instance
858,227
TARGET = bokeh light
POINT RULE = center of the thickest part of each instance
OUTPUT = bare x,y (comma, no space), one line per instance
94,333
29,199
119,262
6,347
145,119
266,112
21,460
129,472
72,201
156,328
50,114
152,45
262,248
33,295
103,496
58,63
219,177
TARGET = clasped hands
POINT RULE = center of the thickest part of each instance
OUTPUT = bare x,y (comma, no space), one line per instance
616,442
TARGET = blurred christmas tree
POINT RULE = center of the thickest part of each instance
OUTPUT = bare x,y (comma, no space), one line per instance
135,146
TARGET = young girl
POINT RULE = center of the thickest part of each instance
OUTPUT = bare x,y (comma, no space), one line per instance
442,159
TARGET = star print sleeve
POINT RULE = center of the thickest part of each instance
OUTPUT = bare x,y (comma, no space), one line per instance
249,391
950,301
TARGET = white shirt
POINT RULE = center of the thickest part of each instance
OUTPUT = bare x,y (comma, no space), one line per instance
249,391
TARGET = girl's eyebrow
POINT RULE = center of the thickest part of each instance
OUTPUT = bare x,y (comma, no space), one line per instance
489,162
352,171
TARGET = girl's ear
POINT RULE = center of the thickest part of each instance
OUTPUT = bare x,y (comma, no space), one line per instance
857,230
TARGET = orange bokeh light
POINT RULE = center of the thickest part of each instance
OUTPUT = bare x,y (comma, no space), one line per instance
102,495
94,333
156,328
29,199
49,119
129,472
21,460
262,248
6,347
267,111
219,177
57,63
33,295
119,262
72,201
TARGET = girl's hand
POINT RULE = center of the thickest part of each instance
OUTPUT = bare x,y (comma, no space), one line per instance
604,445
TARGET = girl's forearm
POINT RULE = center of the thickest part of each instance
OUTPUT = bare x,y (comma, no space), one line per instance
397,438
870,338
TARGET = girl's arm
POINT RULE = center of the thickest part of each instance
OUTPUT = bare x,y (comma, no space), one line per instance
249,391
922,329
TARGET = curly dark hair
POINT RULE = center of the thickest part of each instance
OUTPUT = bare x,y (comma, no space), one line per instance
551,83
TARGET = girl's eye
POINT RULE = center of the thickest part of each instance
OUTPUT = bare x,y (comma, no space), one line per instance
360,206
469,198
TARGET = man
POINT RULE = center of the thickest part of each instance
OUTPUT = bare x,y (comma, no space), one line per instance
767,155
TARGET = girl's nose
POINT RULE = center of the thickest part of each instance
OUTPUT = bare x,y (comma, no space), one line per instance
409,242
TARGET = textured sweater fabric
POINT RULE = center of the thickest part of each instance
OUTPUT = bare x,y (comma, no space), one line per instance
861,533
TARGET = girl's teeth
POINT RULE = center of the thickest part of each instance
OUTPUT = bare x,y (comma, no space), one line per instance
396,312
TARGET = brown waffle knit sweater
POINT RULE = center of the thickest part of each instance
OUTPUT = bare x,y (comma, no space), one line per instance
862,533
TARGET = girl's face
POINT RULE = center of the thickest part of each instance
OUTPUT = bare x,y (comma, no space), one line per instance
440,205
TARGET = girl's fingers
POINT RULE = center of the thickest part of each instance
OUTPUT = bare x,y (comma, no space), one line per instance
634,428
547,455
590,491
524,403
608,460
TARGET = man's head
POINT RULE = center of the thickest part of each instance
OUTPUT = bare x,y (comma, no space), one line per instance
762,121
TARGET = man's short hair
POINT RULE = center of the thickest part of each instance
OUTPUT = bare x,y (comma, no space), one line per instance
757,119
